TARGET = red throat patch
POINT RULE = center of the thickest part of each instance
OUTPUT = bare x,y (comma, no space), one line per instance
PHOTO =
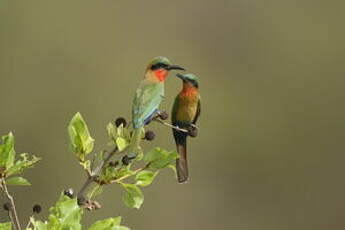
188,90
161,74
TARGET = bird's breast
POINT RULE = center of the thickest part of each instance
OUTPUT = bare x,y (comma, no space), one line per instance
187,108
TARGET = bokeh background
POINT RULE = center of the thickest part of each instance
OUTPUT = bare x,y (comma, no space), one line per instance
270,154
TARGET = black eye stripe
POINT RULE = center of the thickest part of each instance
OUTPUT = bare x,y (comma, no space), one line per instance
158,66
193,82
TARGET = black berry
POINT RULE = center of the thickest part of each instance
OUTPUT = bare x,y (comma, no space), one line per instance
163,115
150,135
113,163
37,208
7,206
192,131
126,160
120,121
69,192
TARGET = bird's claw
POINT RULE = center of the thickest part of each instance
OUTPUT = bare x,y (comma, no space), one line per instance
194,126
163,115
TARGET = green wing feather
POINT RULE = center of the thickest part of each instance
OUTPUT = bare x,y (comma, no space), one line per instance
198,111
147,99
174,111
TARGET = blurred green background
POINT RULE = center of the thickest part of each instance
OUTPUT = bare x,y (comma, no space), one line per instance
270,153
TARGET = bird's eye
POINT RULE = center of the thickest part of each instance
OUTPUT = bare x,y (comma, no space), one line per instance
158,66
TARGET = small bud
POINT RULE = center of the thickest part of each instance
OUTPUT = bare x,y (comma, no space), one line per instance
163,115
69,192
81,200
120,121
150,135
113,164
96,205
2,169
7,206
37,208
192,131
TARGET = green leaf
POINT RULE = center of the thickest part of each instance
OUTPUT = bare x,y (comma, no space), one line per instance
111,130
121,143
86,165
145,178
123,138
81,140
173,168
66,214
7,153
160,158
119,135
106,224
133,198
152,155
17,181
38,225
123,171
22,164
6,226
121,228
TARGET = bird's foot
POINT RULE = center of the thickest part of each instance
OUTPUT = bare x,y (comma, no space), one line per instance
163,115
194,126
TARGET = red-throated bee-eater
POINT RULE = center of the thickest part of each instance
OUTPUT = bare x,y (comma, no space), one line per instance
148,97
185,113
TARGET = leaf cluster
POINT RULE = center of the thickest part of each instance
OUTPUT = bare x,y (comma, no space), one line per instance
142,171
103,168
10,166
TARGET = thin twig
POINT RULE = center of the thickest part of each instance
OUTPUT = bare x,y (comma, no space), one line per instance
29,223
104,162
129,175
171,126
10,215
85,185
95,172
15,219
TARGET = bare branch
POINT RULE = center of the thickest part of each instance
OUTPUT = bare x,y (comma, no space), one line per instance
12,212
92,177
170,125
118,180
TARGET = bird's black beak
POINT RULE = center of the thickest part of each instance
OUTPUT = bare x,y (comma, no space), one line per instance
175,67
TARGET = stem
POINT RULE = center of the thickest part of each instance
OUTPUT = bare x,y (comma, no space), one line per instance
104,162
29,223
129,175
11,218
171,126
87,183
13,215
95,172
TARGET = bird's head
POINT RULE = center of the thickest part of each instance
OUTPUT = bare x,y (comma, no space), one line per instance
189,79
159,67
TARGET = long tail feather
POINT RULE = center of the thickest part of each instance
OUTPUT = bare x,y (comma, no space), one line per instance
181,162
182,165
